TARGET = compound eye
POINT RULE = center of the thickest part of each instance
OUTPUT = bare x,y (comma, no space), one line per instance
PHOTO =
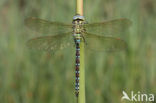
78,17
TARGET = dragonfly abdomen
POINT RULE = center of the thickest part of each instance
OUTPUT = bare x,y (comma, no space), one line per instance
77,66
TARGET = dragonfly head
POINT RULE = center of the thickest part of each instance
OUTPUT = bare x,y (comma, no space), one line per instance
78,17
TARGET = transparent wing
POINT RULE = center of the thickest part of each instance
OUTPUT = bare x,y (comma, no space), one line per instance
51,43
113,27
101,43
47,27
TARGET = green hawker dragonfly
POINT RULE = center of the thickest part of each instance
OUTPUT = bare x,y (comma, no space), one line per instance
97,36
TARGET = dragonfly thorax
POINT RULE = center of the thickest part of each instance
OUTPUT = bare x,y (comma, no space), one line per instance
78,27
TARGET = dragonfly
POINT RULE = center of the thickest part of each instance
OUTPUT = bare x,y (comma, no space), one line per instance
96,36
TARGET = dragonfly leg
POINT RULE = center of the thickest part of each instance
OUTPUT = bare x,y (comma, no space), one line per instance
84,40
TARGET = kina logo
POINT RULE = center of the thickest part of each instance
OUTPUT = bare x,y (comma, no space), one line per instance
137,96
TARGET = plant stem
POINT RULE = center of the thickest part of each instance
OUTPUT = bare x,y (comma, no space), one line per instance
81,97
79,7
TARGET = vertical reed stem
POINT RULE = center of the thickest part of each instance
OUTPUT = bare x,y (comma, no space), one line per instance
79,7
81,97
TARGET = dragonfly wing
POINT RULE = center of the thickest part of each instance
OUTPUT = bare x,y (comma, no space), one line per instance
47,27
113,27
51,43
101,43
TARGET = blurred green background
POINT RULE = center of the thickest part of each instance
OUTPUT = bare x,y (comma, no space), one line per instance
28,76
